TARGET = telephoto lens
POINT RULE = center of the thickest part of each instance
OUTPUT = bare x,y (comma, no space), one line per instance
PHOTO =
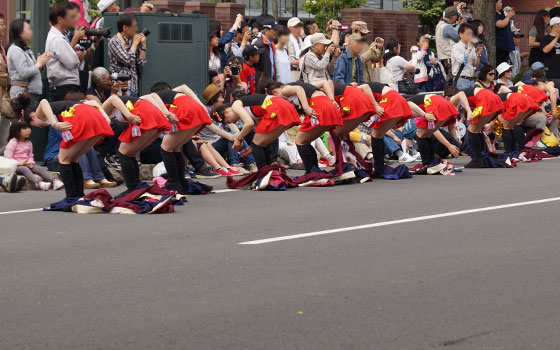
146,32
120,77
105,32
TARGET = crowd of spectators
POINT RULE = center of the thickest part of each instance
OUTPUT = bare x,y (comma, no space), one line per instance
249,54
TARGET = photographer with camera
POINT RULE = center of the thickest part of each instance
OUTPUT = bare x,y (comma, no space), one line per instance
63,67
319,62
466,53
239,42
103,86
232,78
127,50
371,56
105,6
349,68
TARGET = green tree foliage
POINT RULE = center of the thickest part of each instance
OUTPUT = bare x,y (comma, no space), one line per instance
93,12
430,10
327,9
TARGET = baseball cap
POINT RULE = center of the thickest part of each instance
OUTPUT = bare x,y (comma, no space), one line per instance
102,5
356,37
269,23
233,59
251,50
538,65
451,11
319,38
502,67
210,92
360,26
554,20
294,21
527,77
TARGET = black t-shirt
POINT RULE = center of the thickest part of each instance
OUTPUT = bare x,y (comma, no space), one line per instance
125,99
308,88
416,99
503,96
339,89
60,106
514,88
253,100
377,88
469,92
167,96
551,59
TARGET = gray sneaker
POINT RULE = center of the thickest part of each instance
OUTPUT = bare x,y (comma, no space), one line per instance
10,183
206,173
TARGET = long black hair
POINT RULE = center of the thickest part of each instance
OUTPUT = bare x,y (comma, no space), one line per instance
476,24
390,45
16,29
540,23
23,103
484,72
218,115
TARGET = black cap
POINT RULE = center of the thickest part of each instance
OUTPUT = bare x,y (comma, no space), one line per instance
251,50
269,23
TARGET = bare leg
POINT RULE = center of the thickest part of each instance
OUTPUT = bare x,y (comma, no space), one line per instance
208,156
130,149
349,125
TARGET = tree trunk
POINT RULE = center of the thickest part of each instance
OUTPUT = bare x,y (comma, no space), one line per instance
485,10
275,9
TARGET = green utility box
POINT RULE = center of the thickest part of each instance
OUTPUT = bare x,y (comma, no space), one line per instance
177,49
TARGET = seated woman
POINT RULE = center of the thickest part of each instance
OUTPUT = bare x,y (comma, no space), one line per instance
214,158
83,125
146,122
272,116
322,115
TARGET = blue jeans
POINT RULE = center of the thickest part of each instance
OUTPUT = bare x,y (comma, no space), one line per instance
91,167
390,145
223,145
426,86
463,84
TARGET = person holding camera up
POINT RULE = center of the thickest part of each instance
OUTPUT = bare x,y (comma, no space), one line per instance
349,68
63,67
372,55
465,53
319,62
446,37
127,50
242,36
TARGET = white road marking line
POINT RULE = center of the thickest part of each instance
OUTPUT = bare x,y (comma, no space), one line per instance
226,190
20,211
400,221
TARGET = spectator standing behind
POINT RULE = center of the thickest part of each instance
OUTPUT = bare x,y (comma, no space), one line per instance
467,53
504,71
85,18
105,6
25,70
127,50
504,35
226,38
349,68
516,56
214,62
63,67
252,55
373,55
295,45
282,57
310,29
478,35
4,83
536,33
396,64
424,59
239,42
316,64
446,37
551,49
265,67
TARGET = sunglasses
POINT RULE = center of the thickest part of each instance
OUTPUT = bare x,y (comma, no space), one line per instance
491,73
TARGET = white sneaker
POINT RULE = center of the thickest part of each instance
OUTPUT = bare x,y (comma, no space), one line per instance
57,184
406,158
417,157
330,158
44,186
240,169
10,183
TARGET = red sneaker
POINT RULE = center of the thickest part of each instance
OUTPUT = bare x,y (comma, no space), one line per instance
233,172
223,172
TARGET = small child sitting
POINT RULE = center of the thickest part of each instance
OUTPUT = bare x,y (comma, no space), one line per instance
20,149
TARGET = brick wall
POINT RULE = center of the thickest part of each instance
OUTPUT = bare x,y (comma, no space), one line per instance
524,22
402,25
8,9
530,5
175,6
226,13
207,8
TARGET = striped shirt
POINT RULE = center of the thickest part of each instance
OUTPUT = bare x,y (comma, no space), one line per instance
125,61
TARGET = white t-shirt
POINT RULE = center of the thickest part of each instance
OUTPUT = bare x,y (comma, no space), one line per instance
397,67
214,63
283,71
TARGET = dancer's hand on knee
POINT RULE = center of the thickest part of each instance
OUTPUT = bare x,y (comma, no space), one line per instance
172,118
62,126
134,119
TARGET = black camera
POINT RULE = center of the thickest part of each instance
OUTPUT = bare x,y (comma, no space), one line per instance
146,32
120,77
104,32
234,70
85,43
340,47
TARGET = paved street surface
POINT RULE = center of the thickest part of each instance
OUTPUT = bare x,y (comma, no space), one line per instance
487,279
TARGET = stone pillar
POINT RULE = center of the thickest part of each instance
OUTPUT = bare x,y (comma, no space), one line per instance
208,8
8,9
176,6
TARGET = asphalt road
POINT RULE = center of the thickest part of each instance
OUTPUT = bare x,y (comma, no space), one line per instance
484,280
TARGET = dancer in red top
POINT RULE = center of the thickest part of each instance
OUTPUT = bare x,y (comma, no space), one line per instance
83,124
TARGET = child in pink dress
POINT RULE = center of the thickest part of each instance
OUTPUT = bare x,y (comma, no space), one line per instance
20,149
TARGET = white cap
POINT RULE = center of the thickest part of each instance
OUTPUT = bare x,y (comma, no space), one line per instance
554,20
102,5
319,38
294,21
503,67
